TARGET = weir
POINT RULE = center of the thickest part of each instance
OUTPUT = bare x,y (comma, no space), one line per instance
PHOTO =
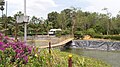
94,44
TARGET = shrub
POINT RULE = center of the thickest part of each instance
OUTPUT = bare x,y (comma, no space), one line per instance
65,32
78,34
90,32
113,37
20,33
58,33
17,51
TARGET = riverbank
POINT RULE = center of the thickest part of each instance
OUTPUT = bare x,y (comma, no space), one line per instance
60,59
111,57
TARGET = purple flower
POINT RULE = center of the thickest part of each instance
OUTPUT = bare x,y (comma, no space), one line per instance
14,47
26,59
22,50
6,46
1,43
1,48
17,55
19,51
6,37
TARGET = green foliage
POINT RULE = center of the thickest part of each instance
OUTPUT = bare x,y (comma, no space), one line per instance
113,37
65,32
37,33
66,19
58,33
6,57
52,17
90,32
78,34
20,33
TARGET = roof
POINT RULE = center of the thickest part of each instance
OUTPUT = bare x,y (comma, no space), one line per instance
55,30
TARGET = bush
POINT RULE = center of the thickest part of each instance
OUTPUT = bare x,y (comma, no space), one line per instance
13,50
65,32
112,37
20,33
90,32
78,34
58,33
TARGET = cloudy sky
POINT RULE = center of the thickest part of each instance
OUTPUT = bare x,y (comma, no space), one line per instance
41,8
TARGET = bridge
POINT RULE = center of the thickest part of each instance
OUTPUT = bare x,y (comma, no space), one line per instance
43,41
58,44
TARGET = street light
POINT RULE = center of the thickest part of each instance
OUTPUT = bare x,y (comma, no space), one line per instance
2,8
23,19
2,3
25,24
19,20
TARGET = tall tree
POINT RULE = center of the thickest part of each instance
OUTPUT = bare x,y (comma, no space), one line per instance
52,17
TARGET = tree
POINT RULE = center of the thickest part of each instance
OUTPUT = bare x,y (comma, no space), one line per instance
52,17
109,21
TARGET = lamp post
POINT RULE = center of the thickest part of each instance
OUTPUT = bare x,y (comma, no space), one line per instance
2,8
22,19
2,3
25,25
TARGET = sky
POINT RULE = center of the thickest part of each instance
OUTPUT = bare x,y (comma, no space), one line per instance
40,8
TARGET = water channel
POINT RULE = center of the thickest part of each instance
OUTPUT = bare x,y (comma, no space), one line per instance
110,57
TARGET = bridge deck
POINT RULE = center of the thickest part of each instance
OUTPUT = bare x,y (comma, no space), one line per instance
58,44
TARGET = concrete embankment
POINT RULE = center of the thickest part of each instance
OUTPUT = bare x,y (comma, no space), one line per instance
96,44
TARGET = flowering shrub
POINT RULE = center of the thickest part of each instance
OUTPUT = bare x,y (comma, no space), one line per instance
16,51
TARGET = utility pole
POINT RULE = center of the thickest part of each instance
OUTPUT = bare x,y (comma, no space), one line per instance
25,25
16,28
6,20
6,7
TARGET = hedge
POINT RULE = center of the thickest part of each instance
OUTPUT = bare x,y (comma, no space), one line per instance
112,37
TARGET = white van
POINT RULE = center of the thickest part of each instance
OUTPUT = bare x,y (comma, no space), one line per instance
52,31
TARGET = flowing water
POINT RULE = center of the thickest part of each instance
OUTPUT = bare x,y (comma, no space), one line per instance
111,57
